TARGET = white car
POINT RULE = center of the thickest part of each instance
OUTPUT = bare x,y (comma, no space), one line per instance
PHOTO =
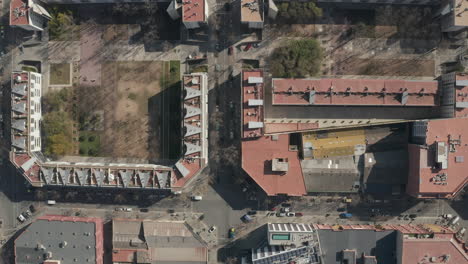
290,214
197,198
21,218
212,229
280,214
128,209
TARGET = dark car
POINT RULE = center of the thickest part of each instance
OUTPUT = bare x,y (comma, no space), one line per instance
144,210
252,212
299,214
230,50
32,208
341,209
246,218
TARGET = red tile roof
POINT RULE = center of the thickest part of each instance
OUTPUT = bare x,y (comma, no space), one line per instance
461,95
193,10
355,92
251,113
422,159
20,16
257,156
434,250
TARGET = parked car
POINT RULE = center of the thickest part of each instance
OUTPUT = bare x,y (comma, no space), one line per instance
341,209
27,214
144,210
232,232
299,214
252,212
212,229
346,215
119,209
290,214
246,218
285,209
32,208
21,218
128,209
247,47
230,50
281,214
197,198
51,202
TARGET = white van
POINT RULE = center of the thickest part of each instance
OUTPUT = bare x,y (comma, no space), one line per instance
197,198
51,202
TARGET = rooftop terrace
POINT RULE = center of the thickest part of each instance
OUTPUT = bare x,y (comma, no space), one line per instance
251,11
252,103
193,10
437,167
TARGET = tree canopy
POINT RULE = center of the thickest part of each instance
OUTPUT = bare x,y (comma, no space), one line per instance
299,58
57,128
295,12
61,24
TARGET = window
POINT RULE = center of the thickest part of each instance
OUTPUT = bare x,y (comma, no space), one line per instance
280,237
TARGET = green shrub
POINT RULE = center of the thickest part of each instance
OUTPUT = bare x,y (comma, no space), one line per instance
132,96
298,59
91,138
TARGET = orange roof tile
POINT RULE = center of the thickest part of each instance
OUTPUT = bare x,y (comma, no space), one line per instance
257,156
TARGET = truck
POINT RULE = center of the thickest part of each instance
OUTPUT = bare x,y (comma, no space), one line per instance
346,215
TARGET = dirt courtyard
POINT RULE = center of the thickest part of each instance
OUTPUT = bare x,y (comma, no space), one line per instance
129,97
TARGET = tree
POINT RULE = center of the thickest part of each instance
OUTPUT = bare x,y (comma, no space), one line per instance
299,58
57,129
296,12
61,22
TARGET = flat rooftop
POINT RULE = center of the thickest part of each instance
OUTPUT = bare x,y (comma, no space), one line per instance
257,159
193,10
355,92
252,103
381,244
251,11
438,166
19,12
461,94
148,241
444,248
460,13
331,175
68,239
